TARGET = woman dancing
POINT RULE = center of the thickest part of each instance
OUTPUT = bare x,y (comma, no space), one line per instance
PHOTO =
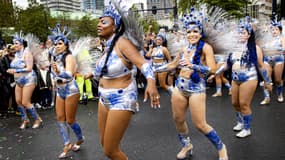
26,80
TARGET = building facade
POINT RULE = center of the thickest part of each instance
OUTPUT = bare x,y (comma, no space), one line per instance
261,9
161,5
62,5
6,1
92,5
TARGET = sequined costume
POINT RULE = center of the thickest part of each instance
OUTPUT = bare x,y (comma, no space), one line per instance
22,77
242,69
157,54
186,85
116,99
65,82
273,52
220,58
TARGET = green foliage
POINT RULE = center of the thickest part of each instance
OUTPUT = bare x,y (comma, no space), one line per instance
149,22
145,23
185,5
7,18
86,26
32,20
235,8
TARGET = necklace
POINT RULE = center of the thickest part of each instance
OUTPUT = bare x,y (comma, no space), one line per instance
191,47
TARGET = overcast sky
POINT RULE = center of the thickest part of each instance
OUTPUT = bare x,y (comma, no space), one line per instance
21,3
24,3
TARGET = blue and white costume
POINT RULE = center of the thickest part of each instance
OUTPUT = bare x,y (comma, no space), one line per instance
242,69
273,52
22,77
186,85
116,99
65,81
157,53
220,58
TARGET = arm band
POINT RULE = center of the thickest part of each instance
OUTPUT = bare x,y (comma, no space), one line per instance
265,76
63,77
162,68
147,71
220,70
201,68
20,70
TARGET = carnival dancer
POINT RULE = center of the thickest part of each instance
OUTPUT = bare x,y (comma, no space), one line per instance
63,67
26,80
160,56
196,61
245,60
273,47
117,89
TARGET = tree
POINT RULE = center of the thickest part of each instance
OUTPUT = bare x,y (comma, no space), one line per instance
143,22
7,20
185,5
33,20
86,26
235,8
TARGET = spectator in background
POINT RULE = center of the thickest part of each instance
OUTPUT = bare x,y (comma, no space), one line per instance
45,86
7,82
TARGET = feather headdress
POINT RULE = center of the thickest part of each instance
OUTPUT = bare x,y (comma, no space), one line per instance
18,37
212,22
33,43
245,24
59,34
133,31
112,12
275,22
194,19
80,50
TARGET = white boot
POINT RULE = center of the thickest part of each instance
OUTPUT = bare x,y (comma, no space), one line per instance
243,133
238,126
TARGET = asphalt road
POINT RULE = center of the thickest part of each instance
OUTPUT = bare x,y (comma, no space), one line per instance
152,135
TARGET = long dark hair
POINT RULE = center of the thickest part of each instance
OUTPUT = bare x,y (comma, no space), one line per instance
65,54
118,33
195,77
251,45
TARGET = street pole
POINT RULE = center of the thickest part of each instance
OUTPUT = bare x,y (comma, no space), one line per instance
175,15
246,8
282,9
274,8
46,19
175,10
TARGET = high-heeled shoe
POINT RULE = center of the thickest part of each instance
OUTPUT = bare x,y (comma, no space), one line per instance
76,146
217,94
185,152
37,123
280,98
25,124
226,153
230,92
265,101
66,149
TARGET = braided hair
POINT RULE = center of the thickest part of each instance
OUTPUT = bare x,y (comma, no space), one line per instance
196,60
118,32
252,50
